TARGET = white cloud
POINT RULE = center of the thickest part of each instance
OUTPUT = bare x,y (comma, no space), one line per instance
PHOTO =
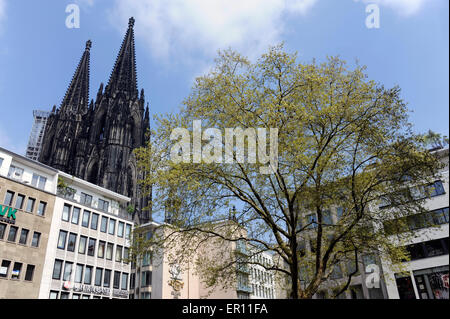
2,12
179,27
402,7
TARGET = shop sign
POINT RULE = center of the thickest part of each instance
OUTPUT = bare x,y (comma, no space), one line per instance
8,214
91,290
120,293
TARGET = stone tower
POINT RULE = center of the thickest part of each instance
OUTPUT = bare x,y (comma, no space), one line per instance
95,141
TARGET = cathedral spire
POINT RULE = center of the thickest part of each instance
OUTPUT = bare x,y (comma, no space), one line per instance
123,77
76,99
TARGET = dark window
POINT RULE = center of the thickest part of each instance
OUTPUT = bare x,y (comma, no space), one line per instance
62,239
8,198
41,208
107,278
103,205
38,181
86,199
29,273
118,253
12,233
88,275
2,230
19,201
124,281
23,236
66,213
432,248
311,220
85,221
127,231
36,239
101,249
120,229
112,226
104,224
98,276
109,251
75,215
57,269
72,242
91,247
94,221
79,273
30,205
116,280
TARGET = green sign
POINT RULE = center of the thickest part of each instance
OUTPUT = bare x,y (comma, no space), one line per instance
8,214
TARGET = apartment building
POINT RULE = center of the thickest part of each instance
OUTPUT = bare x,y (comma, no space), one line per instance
88,247
426,274
27,201
262,281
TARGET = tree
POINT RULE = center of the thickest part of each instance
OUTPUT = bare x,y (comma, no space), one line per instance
343,141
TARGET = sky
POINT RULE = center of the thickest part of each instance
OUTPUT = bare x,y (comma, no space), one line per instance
177,40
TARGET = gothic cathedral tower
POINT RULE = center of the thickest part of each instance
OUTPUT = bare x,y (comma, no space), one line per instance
95,142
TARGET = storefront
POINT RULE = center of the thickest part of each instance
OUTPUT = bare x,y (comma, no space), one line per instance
431,283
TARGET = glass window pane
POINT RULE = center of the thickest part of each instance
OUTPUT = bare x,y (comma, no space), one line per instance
67,271
94,221
79,273
19,201
75,215
23,236
62,239
107,278
72,242
66,213
30,205
98,276
57,269
101,249
104,224
36,239
118,253
124,281
82,245
8,198
41,208
91,247
85,221
88,275
112,226
29,273
2,230
12,233
109,251
120,229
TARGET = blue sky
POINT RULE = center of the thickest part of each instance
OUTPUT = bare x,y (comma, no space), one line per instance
177,40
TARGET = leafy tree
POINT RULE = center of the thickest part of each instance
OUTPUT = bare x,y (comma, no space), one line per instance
343,142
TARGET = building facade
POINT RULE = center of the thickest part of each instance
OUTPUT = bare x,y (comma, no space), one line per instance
262,281
88,247
426,274
27,201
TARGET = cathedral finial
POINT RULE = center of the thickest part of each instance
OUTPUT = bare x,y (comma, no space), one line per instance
88,45
131,22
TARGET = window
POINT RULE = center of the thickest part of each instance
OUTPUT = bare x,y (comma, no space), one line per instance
107,278
94,221
19,201
41,208
91,247
36,239
1,161
57,269
8,198
103,205
62,239
38,181
79,273
112,226
326,218
15,172
104,224
82,245
29,273
118,253
132,277
72,242
30,205
53,295
120,229
86,199
88,275
76,215
4,268
23,236
2,230
66,213
146,278
128,231
98,276
64,295
124,281
109,251
75,296
67,271
101,249
126,254
311,220
116,283
12,233
85,221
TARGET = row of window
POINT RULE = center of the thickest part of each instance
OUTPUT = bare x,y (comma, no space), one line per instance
67,241
261,276
431,248
37,180
24,234
20,201
85,199
91,220
62,270
418,221
65,295
263,292
16,272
